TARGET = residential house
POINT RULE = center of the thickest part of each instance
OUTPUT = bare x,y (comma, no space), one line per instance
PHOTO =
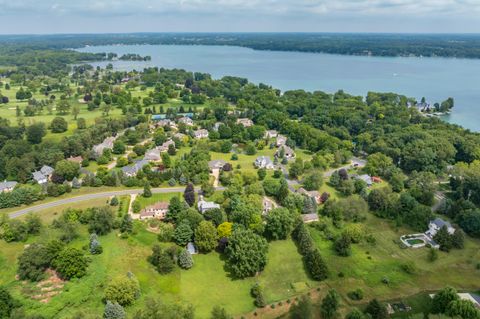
158,210
43,175
268,205
152,155
435,225
309,218
106,144
366,178
164,122
246,122
164,147
287,151
186,120
264,162
204,206
281,140
271,134
216,164
7,186
75,159
132,170
180,136
315,195
202,133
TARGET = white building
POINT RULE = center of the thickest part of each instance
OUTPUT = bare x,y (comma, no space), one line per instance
435,225
43,175
271,134
264,162
246,122
204,206
6,186
158,210
202,133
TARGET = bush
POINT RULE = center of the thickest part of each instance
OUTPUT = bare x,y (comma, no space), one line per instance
185,260
165,232
409,267
123,291
113,311
257,292
71,263
58,125
356,294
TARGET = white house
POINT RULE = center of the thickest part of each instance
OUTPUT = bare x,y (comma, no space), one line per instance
153,155
281,140
158,210
288,152
264,162
186,120
271,134
435,225
106,144
43,175
6,186
204,206
246,122
216,164
202,133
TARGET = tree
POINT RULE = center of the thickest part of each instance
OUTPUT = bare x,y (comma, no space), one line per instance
183,234
329,306
206,237
122,290
315,265
189,194
101,220
155,309
302,310
63,106
464,309
113,311
442,299
36,132
224,230
280,222
376,310
342,246
33,224
58,125
162,260
75,111
246,253
313,181
355,314
127,224
71,263
147,192
257,292
7,303
33,262
81,123
171,150
67,169
219,313
185,259
95,246
118,147
378,164
443,238
262,173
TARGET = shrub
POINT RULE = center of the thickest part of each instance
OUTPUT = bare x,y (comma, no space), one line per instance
409,267
124,291
356,294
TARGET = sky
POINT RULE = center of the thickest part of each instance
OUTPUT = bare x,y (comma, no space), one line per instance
120,16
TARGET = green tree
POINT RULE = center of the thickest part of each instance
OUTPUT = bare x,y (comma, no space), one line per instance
183,234
71,263
443,298
329,306
67,169
219,313
280,222
58,125
189,194
101,220
33,262
63,107
303,309
206,237
75,111
127,224
378,164
464,309
36,132
315,265
313,181
123,290
119,147
185,259
147,192
355,314
376,310
246,253
7,303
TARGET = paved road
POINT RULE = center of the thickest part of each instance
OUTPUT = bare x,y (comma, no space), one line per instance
355,161
85,197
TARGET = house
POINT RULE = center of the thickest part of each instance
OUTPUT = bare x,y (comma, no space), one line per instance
366,178
204,206
186,120
191,248
76,159
6,186
435,225
202,133
271,134
152,155
106,144
43,175
164,147
309,218
268,204
315,195
164,122
132,170
180,136
281,140
158,210
287,151
216,164
246,122
264,162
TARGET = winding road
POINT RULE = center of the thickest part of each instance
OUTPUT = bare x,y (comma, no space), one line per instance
85,197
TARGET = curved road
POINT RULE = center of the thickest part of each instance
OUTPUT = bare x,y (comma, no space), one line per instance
85,197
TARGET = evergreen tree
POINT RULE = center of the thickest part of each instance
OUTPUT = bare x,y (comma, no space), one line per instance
147,192
376,310
189,194
113,311
185,259
329,306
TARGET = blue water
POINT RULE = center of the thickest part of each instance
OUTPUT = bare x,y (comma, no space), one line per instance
434,78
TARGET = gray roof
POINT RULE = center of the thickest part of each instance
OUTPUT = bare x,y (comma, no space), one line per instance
6,185
440,223
133,169
264,159
38,176
46,170
366,178
216,163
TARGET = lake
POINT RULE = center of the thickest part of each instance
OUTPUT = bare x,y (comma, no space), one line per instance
434,78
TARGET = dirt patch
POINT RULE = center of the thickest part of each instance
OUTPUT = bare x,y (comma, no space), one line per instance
43,291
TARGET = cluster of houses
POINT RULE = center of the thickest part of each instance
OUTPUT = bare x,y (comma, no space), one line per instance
283,151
